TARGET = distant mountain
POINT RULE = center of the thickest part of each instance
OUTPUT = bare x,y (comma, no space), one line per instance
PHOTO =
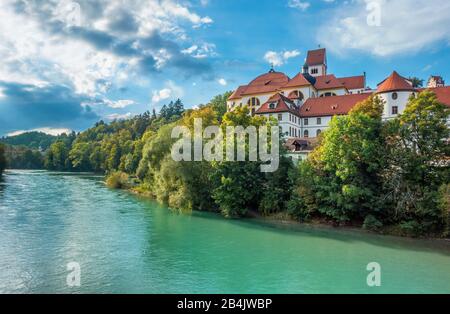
32,140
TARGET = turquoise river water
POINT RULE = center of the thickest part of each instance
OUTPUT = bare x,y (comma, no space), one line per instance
126,244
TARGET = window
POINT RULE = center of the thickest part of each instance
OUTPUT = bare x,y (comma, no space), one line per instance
319,121
290,131
394,96
315,71
328,94
306,122
280,117
272,106
318,132
253,102
306,134
296,95
394,110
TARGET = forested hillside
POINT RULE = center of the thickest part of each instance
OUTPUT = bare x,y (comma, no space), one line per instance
33,140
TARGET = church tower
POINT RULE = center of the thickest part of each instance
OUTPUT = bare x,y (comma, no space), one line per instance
316,63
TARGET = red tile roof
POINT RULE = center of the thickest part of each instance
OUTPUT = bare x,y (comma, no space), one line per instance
238,92
283,104
316,57
327,82
353,82
266,83
442,94
329,106
395,82
297,81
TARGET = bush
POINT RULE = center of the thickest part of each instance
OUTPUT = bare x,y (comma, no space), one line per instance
411,228
372,223
444,205
118,180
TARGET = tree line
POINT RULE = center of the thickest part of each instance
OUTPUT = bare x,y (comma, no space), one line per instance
387,176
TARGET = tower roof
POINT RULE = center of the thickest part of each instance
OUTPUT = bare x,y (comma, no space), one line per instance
395,82
316,57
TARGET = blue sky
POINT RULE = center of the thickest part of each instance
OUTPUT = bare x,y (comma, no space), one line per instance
66,64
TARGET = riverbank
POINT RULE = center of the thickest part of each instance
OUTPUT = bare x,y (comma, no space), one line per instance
285,220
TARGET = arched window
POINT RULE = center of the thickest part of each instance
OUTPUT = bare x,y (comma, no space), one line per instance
306,134
253,102
318,132
297,95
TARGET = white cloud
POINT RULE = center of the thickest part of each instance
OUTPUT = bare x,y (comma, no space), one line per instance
32,54
162,94
170,90
122,103
200,52
406,26
280,58
297,4
222,82
118,116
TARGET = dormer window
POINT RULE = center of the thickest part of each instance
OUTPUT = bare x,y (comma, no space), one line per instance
334,107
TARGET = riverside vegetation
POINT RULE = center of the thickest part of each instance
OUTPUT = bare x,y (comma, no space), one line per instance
387,176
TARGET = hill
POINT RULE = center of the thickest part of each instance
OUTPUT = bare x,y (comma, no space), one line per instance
32,140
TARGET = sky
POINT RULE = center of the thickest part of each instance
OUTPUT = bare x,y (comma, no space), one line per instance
67,64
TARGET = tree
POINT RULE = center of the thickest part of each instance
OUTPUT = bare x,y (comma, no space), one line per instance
417,146
2,158
238,185
57,157
416,82
347,163
219,104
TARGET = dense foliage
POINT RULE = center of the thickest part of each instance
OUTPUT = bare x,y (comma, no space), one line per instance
21,157
381,175
377,173
2,158
32,140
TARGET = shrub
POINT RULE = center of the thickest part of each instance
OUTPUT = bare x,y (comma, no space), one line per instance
372,223
118,180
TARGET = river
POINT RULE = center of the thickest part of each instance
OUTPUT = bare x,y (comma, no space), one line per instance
126,244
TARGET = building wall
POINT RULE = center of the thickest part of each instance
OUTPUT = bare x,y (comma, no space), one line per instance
289,123
320,68
307,91
337,91
313,125
390,102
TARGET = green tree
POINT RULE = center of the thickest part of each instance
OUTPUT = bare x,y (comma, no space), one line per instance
348,161
57,157
417,150
2,158
238,184
416,82
219,104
